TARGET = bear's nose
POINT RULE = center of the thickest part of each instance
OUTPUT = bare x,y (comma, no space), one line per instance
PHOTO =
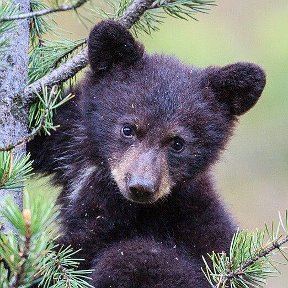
141,190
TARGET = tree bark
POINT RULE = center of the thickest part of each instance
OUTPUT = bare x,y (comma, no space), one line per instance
13,78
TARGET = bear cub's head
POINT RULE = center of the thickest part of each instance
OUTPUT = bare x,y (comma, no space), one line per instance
154,121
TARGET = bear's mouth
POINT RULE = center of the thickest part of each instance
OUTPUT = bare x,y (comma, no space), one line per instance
142,201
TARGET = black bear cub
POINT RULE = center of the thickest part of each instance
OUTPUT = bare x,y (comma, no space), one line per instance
133,154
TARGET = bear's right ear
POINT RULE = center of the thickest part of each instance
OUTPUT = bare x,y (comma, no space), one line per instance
237,86
111,44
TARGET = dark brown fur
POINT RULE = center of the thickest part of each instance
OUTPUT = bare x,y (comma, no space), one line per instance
158,243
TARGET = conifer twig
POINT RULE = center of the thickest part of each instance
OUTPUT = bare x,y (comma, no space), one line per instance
60,8
20,276
32,134
156,4
134,12
266,251
58,75
51,100
246,264
249,260
28,137
14,170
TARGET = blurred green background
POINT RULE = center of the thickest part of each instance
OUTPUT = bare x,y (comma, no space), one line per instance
253,173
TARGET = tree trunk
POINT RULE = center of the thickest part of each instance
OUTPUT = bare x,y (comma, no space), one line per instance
13,78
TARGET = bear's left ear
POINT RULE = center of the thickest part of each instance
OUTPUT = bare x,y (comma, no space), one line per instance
238,85
111,44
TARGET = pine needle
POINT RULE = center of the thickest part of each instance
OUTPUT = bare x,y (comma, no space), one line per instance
14,169
41,112
32,256
50,54
6,9
249,262
155,15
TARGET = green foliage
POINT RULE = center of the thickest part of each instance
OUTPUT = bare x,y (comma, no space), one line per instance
50,54
58,267
249,262
40,119
42,111
147,23
40,25
31,256
150,20
6,9
14,169
182,9
4,283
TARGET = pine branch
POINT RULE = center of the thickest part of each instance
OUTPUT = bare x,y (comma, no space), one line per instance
276,245
6,10
39,26
156,12
249,261
20,275
28,137
78,62
58,75
14,169
58,268
241,271
41,112
30,257
4,283
134,12
60,8
41,116
50,54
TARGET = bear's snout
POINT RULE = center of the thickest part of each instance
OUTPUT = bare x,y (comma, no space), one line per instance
142,176
141,189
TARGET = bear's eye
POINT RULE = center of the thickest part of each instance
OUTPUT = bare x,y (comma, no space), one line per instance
177,144
128,131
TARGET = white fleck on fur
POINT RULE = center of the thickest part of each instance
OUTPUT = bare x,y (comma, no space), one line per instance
77,184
